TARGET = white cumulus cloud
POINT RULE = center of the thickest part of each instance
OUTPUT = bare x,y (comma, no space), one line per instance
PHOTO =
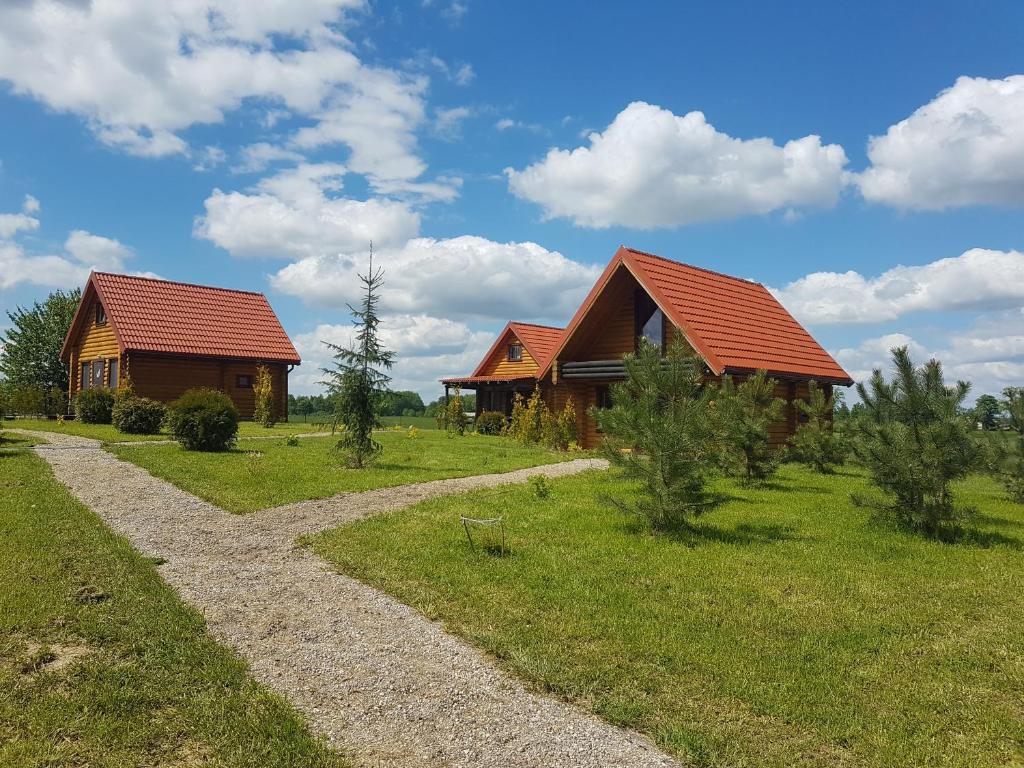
461,277
978,279
965,147
12,223
294,215
83,252
989,354
651,168
428,349
142,73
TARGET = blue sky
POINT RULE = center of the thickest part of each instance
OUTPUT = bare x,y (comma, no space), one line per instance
867,163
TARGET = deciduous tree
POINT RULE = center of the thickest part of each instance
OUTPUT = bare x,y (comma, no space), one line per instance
30,348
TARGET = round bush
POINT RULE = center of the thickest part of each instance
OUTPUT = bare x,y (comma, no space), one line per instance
94,406
138,415
203,420
490,423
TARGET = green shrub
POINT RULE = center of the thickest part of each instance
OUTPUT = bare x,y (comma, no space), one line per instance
203,420
137,415
263,391
527,422
94,405
558,430
490,423
540,486
455,420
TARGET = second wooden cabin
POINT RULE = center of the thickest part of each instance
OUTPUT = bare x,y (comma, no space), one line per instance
736,326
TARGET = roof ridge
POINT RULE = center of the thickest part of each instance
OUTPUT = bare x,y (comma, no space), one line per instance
537,325
693,266
179,282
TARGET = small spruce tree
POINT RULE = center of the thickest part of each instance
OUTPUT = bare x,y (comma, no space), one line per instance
263,391
745,413
816,443
660,432
359,376
915,440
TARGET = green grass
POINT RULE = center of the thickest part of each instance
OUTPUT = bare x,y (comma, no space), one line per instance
109,433
791,629
420,422
268,473
102,666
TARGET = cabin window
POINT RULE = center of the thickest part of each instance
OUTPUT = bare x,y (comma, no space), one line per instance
112,373
515,352
101,314
97,373
243,381
650,322
86,378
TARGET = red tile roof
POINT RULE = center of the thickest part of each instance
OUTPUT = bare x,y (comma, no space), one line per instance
540,340
736,325
150,315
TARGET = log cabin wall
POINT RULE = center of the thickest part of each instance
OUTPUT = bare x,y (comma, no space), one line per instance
96,342
584,395
499,364
166,378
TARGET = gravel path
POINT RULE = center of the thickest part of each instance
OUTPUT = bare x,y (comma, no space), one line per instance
381,682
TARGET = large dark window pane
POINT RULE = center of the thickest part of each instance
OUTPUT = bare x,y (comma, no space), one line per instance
97,373
650,322
112,375
86,381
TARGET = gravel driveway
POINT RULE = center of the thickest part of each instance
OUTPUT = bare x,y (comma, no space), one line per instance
381,682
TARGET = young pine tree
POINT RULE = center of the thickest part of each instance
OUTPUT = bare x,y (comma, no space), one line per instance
745,412
915,440
1013,474
358,377
815,442
660,432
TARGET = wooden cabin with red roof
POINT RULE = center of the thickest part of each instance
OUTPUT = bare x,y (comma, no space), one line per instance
169,337
736,326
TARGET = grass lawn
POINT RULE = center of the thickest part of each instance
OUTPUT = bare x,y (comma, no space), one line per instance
790,630
101,665
269,473
420,422
108,433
